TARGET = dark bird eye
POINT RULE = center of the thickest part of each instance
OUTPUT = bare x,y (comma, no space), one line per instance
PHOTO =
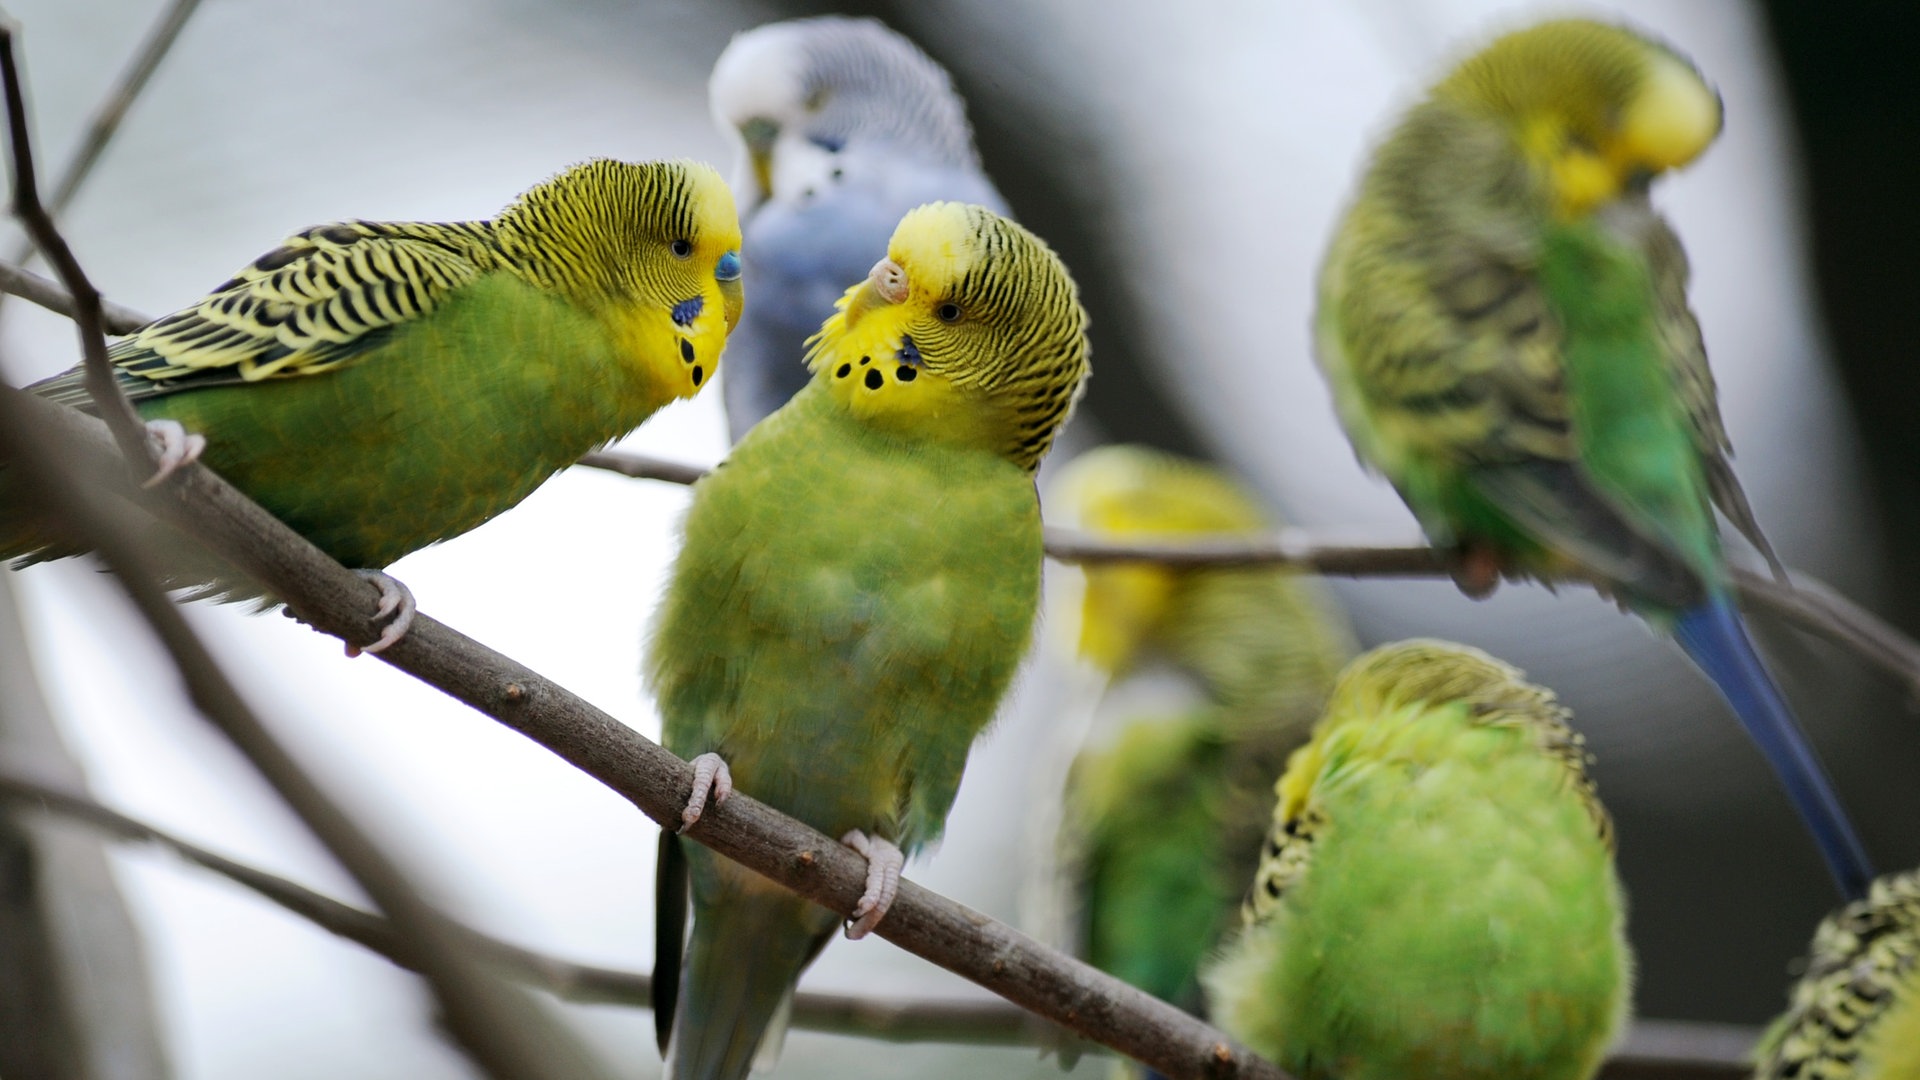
682,249
947,313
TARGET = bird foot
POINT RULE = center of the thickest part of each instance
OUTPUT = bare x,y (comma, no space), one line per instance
1478,572
710,776
396,609
884,863
173,448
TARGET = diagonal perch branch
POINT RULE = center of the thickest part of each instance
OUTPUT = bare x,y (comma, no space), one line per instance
332,598
1704,1050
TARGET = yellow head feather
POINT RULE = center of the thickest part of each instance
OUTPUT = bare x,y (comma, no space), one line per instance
652,248
1596,108
1131,491
970,331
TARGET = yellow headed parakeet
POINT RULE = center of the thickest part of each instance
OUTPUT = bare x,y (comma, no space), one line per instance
1855,1014
857,586
1503,319
1437,897
382,386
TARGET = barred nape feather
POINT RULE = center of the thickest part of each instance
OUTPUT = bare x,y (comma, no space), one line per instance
1389,685
1862,981
332,292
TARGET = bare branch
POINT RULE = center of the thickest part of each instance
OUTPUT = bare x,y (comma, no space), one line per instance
120,97
503,1035
334,599
47,293
125,424
643,468
1703,1049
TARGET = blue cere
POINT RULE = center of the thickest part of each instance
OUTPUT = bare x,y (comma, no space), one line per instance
728,268
688,310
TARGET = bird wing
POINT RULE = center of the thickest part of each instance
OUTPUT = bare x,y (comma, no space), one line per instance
316,302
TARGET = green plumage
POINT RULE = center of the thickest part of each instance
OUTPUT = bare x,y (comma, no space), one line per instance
384,386
857,587
1438,896
1855,1013
1165,818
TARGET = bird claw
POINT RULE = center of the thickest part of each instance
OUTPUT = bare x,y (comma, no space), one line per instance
396,609
884,863
710,776
173,449
1478,572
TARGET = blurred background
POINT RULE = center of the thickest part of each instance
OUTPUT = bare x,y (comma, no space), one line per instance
1188,162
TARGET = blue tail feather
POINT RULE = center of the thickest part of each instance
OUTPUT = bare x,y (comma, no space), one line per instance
1716,640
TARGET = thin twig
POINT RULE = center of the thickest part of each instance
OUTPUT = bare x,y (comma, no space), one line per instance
502,1034
1650,1044
335,600
31,287
112,109
1809,603
127,428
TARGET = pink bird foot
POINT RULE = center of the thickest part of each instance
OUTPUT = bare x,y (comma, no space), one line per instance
710,776
884,863
173,448
396,609
1479,571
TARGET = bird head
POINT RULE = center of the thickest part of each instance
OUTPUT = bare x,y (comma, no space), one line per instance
1599,111
797,94
969,331
653,249
1133,492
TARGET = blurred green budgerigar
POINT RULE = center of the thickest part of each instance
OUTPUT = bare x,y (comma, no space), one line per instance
1855,1013
858,583
1164,820
1437,897
383,386
1503,319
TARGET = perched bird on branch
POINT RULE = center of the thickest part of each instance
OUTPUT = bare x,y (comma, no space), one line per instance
1855,1013
1503,318
1164,819
842,126
858,583
1437,896
383,386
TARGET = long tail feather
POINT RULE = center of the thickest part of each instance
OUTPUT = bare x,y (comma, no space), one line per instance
1715,638
670,883
741,963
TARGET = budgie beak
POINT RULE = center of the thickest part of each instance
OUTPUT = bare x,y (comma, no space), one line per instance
759,135
886,284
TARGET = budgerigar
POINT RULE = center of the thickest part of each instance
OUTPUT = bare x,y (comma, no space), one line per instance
1437,897
1164,821
843,126
857,585
1855,1014
382,386
1504,322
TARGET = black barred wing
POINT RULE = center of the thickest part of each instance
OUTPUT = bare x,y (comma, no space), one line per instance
316,302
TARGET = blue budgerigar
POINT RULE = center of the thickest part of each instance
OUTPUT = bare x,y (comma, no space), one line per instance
843,126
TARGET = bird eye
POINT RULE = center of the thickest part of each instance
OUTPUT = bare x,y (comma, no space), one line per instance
947,313
728,268
682,249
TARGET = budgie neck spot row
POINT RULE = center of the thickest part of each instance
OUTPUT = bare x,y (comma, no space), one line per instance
969,332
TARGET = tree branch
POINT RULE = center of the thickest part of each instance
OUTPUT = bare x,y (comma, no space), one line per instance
335,600
1809,603
1706,1049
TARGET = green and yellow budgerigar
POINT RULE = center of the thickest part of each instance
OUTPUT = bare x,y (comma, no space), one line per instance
1855,1013
382,386
1164,821
1437,897
858,583
1503,318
